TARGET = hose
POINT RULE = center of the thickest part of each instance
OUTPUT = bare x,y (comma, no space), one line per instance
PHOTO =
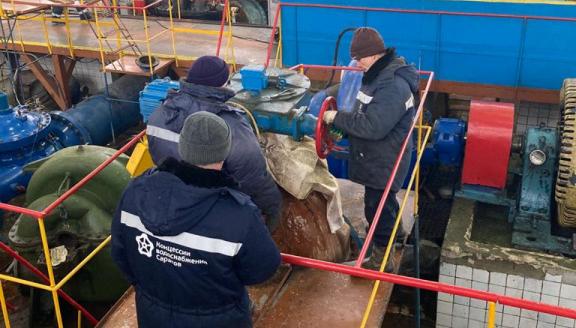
249,114
335,59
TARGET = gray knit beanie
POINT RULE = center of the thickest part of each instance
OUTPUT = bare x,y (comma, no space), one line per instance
205,139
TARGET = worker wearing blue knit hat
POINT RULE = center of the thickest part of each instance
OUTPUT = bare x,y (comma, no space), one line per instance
203,90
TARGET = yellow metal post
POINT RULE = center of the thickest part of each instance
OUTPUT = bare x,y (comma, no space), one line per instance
491,314
99,36
45,30
4,308
83,263
147,33
50,270
68,34
17,26
279,48
178,7
172,32
79,319
419,147
117,28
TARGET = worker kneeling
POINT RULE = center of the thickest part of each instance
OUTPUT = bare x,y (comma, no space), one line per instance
188,241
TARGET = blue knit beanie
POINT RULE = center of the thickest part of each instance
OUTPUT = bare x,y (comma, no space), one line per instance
208,70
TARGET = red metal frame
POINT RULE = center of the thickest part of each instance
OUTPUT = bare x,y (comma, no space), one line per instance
349,270
226,4
51,207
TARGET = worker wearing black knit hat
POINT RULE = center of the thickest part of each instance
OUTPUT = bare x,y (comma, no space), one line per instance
208,70
202,90
188,241
376,129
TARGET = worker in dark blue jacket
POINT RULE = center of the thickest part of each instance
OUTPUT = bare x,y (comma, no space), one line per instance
202,91
377,128
188,241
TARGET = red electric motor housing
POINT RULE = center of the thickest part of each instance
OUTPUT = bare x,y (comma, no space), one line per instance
488,143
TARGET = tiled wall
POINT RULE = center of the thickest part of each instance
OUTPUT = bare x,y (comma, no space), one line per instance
462,312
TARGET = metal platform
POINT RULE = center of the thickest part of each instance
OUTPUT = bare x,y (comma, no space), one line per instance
250,43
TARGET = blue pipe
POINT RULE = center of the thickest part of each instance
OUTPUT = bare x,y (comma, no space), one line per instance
27,136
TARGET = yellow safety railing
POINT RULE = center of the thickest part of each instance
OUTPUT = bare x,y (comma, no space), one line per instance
54,286
120,40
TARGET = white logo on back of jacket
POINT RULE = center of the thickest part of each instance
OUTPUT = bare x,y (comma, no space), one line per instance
145,246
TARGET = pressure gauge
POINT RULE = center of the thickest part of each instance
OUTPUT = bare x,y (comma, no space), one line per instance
537,157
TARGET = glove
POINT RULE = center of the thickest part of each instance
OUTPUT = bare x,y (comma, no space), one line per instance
329,116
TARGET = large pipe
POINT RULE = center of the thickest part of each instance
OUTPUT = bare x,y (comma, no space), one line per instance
28,136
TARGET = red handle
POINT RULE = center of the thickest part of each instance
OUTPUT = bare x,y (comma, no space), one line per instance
324,144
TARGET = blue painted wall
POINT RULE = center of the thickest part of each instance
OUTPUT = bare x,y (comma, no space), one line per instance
511,52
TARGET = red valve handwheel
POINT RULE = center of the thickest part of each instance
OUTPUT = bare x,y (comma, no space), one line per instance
324,144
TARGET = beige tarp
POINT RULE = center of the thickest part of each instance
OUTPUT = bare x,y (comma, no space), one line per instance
296,168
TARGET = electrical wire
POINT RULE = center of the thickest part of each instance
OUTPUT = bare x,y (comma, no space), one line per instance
336,49
250,116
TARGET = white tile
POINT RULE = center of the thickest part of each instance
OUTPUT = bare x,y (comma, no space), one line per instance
480,275
568,291
527,323
513,292
445,297
479,286
511,321
446,279
497,289
571,304
461,311
478,304
476,324
464,282
498,278
514,281
462,300
565,322
545,325
444,319
464,272
550,300
530,296
459,322
444,307
477,314
548,318
551,288
447,269
533,315
533,285
551,277
512,310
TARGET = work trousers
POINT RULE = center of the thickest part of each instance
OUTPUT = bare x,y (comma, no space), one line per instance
387,217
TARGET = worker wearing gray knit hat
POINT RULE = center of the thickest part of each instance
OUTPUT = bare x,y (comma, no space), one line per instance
188,240
205,139
376,129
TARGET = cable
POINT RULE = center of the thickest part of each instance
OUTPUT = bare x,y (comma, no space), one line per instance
335,59
249,114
